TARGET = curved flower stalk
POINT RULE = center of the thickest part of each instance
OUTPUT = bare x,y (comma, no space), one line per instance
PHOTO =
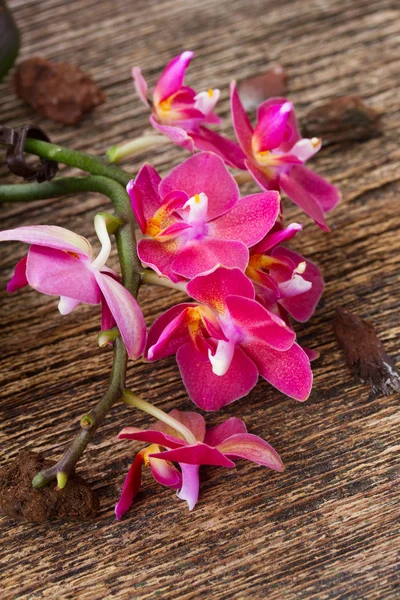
193,219
226,340
276,153
61,263
217,446
181,114
285,282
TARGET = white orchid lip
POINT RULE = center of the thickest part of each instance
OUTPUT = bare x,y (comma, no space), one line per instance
221,360
100,226
205,101
197,215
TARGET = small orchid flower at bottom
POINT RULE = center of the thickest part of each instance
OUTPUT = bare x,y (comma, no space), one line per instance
61,263
186,441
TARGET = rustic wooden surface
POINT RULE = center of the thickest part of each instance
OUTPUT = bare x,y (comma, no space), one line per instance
329,526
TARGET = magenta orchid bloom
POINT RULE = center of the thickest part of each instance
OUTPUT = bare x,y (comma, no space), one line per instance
180,114
276,153
223,343
216,446
194,219
61,263
285,281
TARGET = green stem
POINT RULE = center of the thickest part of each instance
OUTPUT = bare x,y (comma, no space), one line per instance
129,398
116,153
130,268
75,158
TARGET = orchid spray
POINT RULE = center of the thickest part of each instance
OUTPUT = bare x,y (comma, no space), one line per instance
200,236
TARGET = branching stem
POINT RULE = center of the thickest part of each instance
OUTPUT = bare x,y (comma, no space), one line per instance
130,268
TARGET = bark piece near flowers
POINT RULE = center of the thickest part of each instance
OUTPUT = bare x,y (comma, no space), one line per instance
254,90
19,500
365,354
60,91
342,119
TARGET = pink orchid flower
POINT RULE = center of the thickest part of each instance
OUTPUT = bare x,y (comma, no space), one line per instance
276,155
180,114
223,343
216,446
61,263
285,282
194,219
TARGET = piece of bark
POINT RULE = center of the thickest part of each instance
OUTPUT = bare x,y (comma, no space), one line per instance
59,91
255,90
365,353
343,119
19,500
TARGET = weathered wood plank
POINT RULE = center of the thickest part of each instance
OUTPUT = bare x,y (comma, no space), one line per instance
329,526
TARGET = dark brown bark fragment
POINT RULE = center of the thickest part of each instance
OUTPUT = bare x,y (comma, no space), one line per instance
19,500
59,91
343,119
365,353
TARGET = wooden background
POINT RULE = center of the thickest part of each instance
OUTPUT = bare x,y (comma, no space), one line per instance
329,526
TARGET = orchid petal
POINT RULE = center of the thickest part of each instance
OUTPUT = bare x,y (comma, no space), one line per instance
241,122
159,256
259,324
277,237
202,255
212,288
49,236
306,201
264,177
165,473
190,484
172,77
217,434
168,332
57,273
197,454
140,85
209,140
326,194
251,447
176,134
153,436
126,312
270,130
131,487
249,220
209,391
312,354
292,134
288,371
204,172
143,192
18,280
107,320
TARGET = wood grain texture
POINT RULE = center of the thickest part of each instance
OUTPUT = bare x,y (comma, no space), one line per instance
328,527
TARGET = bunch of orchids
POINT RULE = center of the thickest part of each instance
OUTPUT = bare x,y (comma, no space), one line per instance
198,235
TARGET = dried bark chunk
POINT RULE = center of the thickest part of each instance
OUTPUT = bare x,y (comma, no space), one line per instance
343,119
365,353
19,500
59,91
255,90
